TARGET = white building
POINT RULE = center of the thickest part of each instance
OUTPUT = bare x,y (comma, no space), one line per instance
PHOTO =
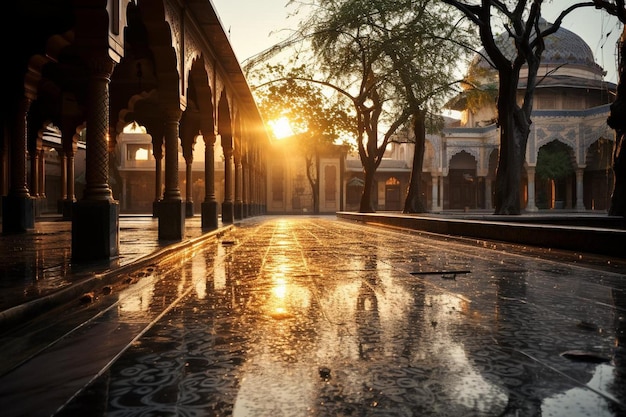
569,115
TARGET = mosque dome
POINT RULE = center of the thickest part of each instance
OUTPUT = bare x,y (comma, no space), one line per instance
567,64
563,49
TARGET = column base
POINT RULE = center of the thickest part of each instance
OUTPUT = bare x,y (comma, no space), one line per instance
155,208
532,208
228,212
239,210
18,214
171,220
209,215
95,230
188,209
66,208
40,206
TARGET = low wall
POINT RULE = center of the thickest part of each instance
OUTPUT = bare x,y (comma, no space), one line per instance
598,240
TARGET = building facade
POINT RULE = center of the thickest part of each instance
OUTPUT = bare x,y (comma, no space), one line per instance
568,132
293,176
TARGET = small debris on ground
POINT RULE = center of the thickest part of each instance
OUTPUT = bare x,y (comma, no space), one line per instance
87,298
585,356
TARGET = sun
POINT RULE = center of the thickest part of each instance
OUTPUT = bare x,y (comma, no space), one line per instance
281,127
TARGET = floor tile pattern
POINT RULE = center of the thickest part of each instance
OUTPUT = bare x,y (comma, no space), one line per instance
307,316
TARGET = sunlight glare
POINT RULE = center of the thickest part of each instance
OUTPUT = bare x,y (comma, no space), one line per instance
281,127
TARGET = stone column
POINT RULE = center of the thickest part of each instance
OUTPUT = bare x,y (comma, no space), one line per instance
158,184
245,188
189,186
157,151
18,214
172,189
188,142
95,217
34,172
488,201
262,188
228,215
441,193
532,203
254,186
171,209
70,179
238,207
209,205
35,191
580,174
69,140
18,152
63,166
42,174
253,178
434,192
41,182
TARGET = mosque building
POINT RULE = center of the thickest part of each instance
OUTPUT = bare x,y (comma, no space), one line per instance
568,156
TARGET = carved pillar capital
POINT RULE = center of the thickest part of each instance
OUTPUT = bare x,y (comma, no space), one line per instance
99,66
172,115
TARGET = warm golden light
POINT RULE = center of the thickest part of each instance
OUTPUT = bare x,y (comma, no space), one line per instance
281,127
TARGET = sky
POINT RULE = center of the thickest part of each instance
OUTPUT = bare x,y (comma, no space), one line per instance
255,25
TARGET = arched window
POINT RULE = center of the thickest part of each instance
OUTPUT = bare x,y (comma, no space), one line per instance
137,152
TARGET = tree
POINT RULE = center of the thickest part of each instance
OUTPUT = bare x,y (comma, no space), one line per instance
386,58
617,117
554,162
523,24
317,121
413,203
421,123
424,75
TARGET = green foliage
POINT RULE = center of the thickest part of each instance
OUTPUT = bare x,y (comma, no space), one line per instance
480,88
408,51
554,161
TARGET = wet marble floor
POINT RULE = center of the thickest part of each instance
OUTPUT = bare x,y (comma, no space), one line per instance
307,316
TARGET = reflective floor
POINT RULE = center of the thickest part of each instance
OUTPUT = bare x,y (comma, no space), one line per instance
306,316
38,263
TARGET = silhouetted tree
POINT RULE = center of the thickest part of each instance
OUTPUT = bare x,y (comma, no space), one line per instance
523,24
617,118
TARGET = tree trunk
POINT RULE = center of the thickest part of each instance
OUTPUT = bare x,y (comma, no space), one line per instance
617,121
514,131
313,178
366,205
413,202
316,187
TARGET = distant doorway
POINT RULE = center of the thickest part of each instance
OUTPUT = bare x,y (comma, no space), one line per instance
554,176
463,182
392,194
